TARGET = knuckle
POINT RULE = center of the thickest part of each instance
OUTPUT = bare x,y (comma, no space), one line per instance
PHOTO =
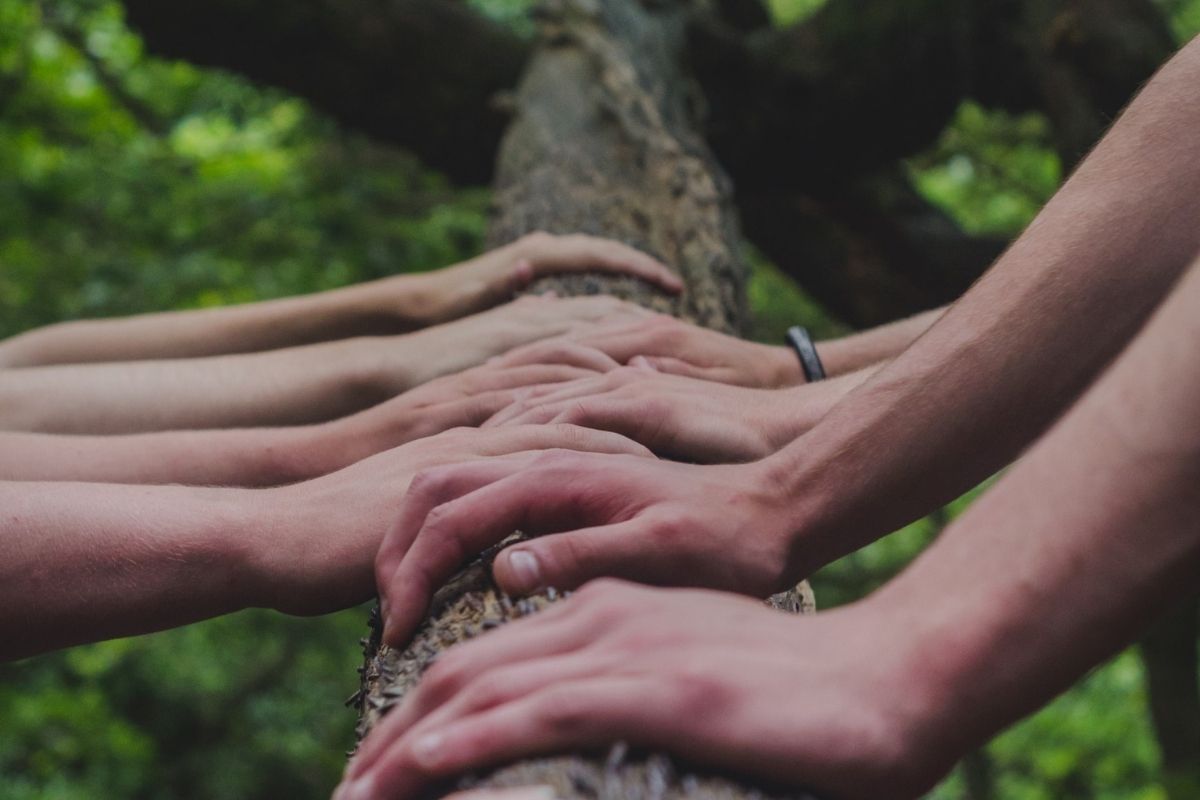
564,711
672,528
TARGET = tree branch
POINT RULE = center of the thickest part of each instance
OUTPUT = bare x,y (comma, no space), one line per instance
419,73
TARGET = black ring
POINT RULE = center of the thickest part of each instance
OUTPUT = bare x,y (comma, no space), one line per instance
801,341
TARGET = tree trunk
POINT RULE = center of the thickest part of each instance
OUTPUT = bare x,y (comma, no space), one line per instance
603,141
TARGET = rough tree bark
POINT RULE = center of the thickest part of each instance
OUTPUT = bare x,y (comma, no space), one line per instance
603,140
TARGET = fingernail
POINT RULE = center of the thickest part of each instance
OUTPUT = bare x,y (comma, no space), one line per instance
361,789
526,570
427,749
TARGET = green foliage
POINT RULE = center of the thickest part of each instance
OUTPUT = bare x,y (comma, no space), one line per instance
992,171
129,184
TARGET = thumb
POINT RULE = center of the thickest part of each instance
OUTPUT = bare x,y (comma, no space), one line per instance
569,560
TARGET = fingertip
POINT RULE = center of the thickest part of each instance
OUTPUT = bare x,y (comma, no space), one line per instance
523,272
518,571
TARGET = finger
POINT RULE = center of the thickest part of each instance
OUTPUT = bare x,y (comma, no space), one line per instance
511,413
579,252
522,414
559,351
564,716
583,387
508,377
676,366
539,499
514,439
470,411
569,560
600,309
429,489
551,394
637,419
499,685
444,695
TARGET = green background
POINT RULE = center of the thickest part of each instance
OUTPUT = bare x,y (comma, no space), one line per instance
130,184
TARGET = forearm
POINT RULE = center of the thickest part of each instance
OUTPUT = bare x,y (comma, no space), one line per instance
1072,554
860,350
241,457
85,562
796,410
390,306
1007,358
284,387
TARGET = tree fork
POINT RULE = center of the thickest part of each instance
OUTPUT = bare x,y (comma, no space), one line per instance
603,141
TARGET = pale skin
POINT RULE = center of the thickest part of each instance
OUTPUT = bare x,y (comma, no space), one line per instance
275,456
675,347
982,383
1062,563
284,362
688,419
292,386
90,561
388,306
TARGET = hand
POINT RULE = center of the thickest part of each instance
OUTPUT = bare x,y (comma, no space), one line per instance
314,552
654,521
499,274
463,399
834,703
680,348
676,417
473,340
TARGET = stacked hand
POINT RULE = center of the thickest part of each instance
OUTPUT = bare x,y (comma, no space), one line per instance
315,542
676,417
715,678
726,527
463,399
679,348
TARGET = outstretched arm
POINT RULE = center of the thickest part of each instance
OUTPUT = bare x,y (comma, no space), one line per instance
90,561
675,347
294,386
1066,560
384,307
275,456
988,378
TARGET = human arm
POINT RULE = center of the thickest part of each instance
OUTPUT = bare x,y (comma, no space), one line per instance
1063,562
673,346
965,399
252,457
91,561
383,307
293,386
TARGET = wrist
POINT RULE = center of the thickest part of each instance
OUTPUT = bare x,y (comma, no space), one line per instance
789,413
782,367
924,726
312,545
250,523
